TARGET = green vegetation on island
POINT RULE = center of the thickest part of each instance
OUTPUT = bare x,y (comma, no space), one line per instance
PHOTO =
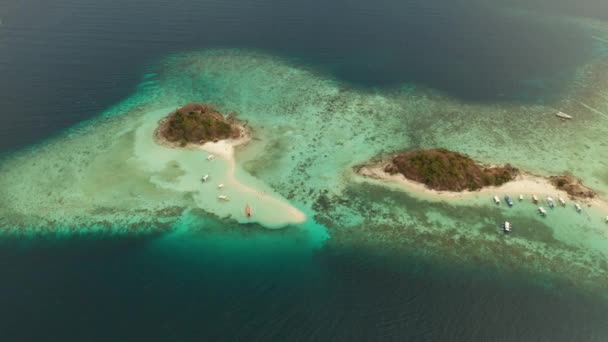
440,169
197,123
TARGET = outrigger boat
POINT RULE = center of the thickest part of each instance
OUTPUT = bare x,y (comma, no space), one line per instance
551,203
508,200
542,211
506,227
248,210
534,199
578,207
205,177
562,202
223,198
496,200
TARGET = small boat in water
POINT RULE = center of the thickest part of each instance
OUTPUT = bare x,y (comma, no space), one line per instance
210,157
534,199
563,115
205,178
562,202
551,202
508,200
223,198
542,211
506,227
606,219
521,197
578,207
496,200
220,186
248,210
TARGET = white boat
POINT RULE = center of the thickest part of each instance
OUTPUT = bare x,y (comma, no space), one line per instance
606,219
551,203
534,199
496,200
562,202
578,207
542,211
220,186
205,177
507,227
210,157
563,115
521,197
223,198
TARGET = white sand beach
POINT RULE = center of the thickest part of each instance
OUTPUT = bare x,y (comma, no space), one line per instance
525,184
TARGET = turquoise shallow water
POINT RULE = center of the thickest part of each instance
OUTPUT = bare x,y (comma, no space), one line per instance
366,255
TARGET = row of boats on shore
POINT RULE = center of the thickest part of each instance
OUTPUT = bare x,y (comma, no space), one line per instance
507,226
535,200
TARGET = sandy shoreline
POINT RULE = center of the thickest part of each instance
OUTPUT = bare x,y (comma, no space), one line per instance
225,150
525,184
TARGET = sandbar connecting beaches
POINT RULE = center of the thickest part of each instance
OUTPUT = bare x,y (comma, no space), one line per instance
269,208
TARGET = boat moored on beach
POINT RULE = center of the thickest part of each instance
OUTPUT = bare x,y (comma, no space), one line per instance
542,211
223,198
562,202
220,186
508,200
521,197
496,200
551,202
534,199
506,227
210,157
577,207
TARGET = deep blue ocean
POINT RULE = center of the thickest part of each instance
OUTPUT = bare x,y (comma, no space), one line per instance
65,61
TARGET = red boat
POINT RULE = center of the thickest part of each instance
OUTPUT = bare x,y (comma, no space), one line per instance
248,210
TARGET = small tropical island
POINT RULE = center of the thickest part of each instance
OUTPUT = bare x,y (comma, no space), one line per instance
443,170
198,123
440,171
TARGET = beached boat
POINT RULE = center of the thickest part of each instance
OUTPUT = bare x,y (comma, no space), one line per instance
248,210
563,115
606,219
220,186
496,200
223,198
534,199
578,207
551,202
562,202
210,157
542,211
521,197
506,227
508,200
205,178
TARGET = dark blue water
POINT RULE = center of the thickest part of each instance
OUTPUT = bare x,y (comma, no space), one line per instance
140,289
64,61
